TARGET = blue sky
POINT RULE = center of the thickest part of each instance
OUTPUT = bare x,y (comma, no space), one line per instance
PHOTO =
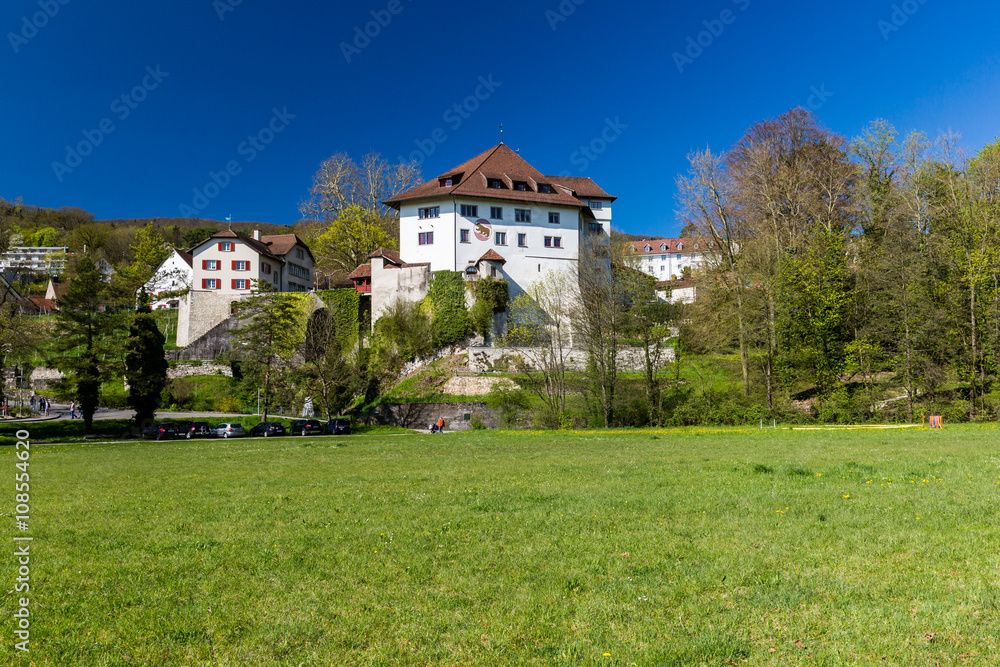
258,93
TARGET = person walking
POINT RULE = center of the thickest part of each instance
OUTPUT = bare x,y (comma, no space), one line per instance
441,425
72,410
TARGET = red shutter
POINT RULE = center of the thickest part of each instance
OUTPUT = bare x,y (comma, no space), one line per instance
234,283
234,265
220,247
204,283
204,264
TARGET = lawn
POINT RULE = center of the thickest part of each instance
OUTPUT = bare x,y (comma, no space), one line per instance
684,547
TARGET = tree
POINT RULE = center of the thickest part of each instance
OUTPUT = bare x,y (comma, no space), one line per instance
341,183
539,336
82,328
599,318
330,353
145,364
272,329
348,240
148,251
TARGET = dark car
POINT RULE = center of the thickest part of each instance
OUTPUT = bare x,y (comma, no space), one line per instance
307,427
194,430
338,426
162,431
267,429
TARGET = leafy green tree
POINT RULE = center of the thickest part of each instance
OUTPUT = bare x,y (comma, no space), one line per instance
330,353
349,238
148,251
145,364
82,336
272,329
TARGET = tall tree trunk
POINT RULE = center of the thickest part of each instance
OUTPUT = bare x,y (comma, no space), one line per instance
908,346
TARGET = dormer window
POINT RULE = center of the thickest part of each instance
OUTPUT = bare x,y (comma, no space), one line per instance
695,246
521,186
545,189
663,247
494,184
648,248
680,246
446,182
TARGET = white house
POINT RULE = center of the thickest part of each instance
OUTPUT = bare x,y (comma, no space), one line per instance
227,266
41,260
174,275
497,215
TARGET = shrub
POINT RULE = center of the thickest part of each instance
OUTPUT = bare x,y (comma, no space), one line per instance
509,400
476,423
450,322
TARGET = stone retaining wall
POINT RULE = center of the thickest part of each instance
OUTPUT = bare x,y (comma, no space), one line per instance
420,415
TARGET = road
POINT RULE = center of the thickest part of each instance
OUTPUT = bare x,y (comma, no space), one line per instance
61,412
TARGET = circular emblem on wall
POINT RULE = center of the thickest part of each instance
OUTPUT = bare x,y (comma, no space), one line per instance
483,229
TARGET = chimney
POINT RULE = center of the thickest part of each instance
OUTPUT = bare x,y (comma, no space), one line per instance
256,235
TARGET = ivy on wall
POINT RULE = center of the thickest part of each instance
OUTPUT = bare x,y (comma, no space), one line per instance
445,299
491,297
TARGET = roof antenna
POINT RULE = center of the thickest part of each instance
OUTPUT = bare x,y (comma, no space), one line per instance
501,133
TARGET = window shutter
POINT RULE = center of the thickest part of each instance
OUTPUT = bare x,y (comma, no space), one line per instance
204,283
204,264
234,265
220,246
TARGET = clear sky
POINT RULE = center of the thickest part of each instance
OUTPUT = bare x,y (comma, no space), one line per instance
258,93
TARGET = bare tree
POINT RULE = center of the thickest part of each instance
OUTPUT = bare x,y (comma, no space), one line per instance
341,182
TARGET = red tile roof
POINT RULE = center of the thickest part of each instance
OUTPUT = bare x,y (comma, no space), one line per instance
393,258
492,256
43,304
582,187
256,245
471,178
187,257
671,246
363,271
282,244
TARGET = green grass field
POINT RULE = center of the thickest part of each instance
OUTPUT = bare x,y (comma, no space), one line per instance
670,547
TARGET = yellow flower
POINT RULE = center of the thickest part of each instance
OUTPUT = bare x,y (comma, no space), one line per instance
846,496
607,655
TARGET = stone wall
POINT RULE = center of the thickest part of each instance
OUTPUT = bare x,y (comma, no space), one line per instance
189,370
473,386
408,283
487,359
200,312
419,416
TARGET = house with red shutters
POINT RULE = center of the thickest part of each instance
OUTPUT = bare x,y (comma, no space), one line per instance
228,266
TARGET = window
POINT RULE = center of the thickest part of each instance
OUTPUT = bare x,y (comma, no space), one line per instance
553,241
596,228
522,215
446,182
425,238
678,258
470,211
663,258
522,240
265,268
209,283
662,268
544,189
494,184
300,254
663,247
553,218
520,187
597,205
501,238
496,213
463,235
648,248
241,265
225,246
210,264
430,212
241,283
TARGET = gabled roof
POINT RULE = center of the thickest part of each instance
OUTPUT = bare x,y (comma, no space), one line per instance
258,246
685,246
582,187
393,258
43,304
471,179
363,271
282,244
186,256
492,256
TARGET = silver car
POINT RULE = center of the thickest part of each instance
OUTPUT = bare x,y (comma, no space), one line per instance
229,430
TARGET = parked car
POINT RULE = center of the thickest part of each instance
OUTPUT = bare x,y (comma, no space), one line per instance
157,431
267,429
338,426
307,427
194,430
229,430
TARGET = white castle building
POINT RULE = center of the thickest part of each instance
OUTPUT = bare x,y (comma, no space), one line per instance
494,215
